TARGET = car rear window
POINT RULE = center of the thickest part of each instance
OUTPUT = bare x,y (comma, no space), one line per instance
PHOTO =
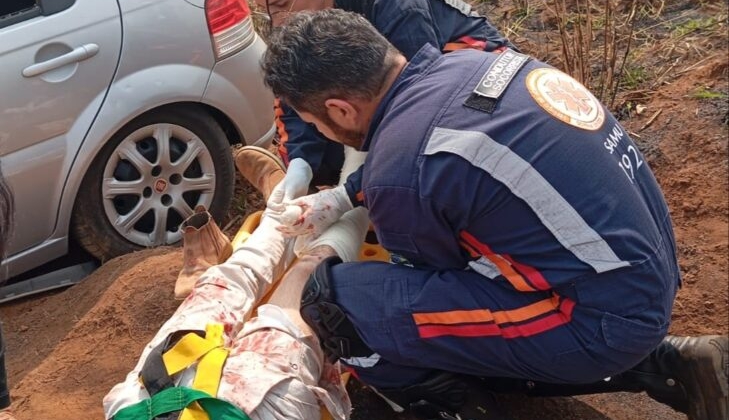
14,11
14,6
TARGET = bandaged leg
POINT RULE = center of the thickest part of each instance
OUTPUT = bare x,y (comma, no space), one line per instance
225,294
345,236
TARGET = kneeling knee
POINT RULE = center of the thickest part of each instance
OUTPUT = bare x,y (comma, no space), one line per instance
320,311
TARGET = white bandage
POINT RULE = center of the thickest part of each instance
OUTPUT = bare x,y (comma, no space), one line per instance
345,236
290,215
353,159
318,211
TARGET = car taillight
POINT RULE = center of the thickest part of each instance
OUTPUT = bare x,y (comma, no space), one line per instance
230,25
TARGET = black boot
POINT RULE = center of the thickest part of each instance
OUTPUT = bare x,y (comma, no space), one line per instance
700,367
689,374
446,396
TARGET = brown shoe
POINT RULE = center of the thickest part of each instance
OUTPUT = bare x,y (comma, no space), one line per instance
204,245
263,169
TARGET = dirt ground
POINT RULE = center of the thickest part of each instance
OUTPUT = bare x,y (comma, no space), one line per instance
66,349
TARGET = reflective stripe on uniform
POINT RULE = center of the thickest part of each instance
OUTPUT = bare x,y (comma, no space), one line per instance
523,277
524,181
465,42
461,6
283,135
533,319
485,267
363,362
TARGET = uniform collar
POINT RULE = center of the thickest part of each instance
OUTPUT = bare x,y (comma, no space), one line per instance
418,65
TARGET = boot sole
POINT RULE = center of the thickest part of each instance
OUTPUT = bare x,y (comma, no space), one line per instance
710,373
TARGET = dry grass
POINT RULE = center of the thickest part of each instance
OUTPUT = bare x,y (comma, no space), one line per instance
261,20
596,43
622,50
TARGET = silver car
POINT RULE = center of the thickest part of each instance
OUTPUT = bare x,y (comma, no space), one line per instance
117,116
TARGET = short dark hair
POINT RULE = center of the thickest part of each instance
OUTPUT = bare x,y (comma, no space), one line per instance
6,215
326,54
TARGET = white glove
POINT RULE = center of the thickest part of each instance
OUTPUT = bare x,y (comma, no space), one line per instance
295,184
312,214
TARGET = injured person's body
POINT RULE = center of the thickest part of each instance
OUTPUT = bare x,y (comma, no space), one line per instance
214,360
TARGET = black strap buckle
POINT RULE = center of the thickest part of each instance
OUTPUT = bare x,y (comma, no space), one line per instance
336,347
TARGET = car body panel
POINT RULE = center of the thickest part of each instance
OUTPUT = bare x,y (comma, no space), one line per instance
161,63
225,87
42,116
197,3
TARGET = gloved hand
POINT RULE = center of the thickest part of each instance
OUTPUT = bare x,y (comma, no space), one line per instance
312,214
295,184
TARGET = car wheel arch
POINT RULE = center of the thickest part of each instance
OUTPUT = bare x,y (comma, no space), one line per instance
73,192
71,189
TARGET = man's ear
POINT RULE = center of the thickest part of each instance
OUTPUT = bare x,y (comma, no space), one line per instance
342,112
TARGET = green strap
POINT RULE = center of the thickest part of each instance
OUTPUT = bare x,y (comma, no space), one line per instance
175,399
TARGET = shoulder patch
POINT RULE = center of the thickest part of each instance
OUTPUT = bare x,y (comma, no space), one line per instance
494,82
565,98
500,73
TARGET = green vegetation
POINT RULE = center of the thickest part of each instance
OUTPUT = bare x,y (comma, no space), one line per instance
693,25
705,93
632,77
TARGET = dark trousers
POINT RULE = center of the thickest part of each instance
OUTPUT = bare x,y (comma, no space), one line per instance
4,392
419,320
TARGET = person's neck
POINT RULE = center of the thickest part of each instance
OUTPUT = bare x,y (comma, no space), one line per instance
371,106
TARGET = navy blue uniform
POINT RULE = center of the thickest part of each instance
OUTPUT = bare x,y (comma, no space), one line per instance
408,24
539,243
4,392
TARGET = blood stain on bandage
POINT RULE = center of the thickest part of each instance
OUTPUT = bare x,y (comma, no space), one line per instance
221,318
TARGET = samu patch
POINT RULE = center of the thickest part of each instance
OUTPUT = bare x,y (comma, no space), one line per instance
494,82
565,98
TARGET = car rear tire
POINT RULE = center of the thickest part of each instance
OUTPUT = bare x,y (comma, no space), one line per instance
149,177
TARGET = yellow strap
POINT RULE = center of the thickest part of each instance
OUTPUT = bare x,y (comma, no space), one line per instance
187,351
214,332
194,412
192,347
240,238
210,355
210,370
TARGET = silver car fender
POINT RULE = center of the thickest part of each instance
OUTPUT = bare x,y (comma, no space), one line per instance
243,100
125,101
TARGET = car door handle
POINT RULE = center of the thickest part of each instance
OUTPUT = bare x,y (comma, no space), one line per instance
78,54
